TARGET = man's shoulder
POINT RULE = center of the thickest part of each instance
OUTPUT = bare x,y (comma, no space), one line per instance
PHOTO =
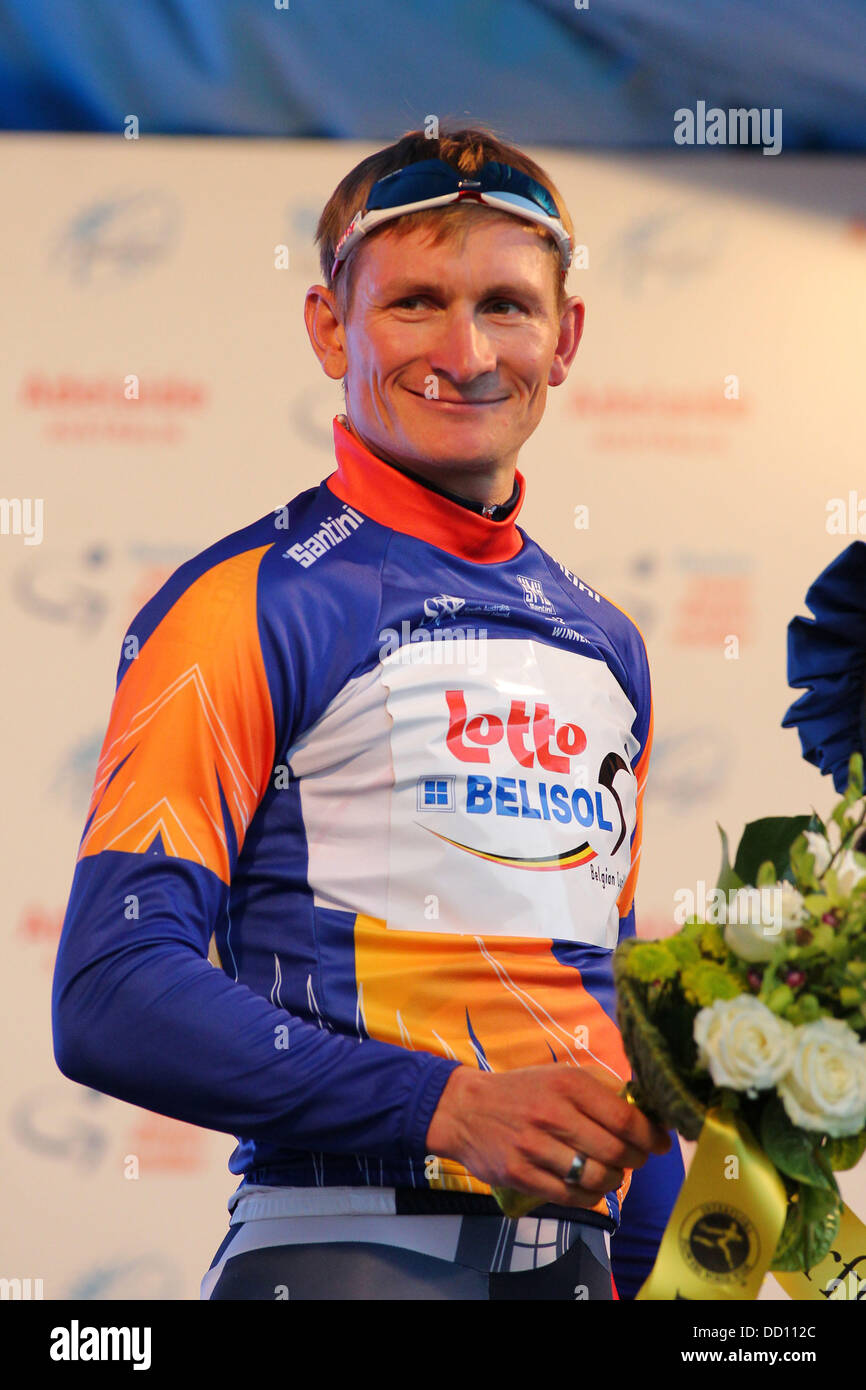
267,567
261,556
589,599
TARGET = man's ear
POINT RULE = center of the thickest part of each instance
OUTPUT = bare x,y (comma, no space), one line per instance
570,333
325,330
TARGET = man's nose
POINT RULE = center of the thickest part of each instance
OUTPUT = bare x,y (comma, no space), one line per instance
464,350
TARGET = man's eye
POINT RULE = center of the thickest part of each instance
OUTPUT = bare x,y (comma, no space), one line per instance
410,301
498,305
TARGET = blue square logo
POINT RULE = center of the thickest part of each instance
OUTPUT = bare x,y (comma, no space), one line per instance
436,793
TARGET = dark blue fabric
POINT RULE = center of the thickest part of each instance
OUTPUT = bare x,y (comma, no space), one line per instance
541,71
827,654
645,1211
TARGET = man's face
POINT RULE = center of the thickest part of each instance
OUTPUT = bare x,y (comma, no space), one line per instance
449,348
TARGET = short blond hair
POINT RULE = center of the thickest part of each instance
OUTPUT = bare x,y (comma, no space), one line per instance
466,149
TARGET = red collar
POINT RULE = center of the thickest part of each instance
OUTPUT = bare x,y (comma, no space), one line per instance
389,497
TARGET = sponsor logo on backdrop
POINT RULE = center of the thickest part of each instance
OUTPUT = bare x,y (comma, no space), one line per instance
680,419
79,592
79,1126
128,1277
689,766
39,927
690,598
79,589
666,248
111,407
119,236
56,1121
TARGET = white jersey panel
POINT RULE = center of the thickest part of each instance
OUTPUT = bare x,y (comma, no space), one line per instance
474,787
343,762
514,799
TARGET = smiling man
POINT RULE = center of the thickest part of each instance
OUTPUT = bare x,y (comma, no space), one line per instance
411,866
446,360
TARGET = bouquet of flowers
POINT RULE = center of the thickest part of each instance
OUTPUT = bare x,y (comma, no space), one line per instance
756,1009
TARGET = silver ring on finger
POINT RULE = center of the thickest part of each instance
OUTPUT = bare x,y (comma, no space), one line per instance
575,1172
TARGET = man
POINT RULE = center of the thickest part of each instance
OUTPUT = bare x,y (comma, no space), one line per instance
383,759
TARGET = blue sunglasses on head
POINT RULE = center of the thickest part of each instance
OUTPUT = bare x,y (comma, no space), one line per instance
432,183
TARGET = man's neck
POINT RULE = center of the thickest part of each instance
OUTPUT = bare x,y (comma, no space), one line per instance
496,511
495,499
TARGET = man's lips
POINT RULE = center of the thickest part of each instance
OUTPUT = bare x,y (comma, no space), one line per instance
458,404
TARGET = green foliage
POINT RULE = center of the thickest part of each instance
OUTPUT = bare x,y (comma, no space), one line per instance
660,1084
845,1152
685,949
805,1009
811,1226
707,981
816,969
727,878
712,942
814,1205
652,960
768,839
855,776
803,863
794,1151
780,998
767,876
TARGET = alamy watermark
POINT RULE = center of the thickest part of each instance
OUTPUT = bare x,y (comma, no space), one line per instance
22,516
419,646
739,125
760,907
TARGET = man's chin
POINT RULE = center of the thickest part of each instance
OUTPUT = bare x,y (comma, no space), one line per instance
470,433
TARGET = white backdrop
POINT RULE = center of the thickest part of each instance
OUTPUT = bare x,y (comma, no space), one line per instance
707,519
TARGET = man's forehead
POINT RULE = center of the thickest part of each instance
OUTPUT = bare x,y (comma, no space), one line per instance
395,258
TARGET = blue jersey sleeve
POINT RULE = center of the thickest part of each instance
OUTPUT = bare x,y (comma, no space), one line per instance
139,1011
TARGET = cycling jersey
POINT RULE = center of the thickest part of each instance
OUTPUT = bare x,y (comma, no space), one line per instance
368,807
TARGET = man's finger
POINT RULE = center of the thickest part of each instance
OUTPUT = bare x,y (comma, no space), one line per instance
602,1102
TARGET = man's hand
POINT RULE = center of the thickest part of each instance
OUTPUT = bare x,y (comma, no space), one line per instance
522,1128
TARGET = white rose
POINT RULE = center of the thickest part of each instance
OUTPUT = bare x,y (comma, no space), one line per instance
743,1043
825,1085
848,871
757,916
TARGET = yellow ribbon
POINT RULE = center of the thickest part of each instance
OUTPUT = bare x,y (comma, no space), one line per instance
723,1231
841,1275
724,1228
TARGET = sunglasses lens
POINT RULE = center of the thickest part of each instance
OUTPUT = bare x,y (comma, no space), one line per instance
431,178
501,178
